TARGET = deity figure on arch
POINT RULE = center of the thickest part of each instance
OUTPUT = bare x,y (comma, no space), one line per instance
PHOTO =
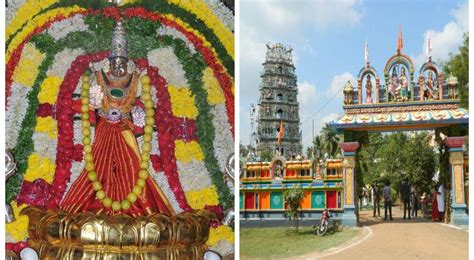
116,179
368,90
403,81
393,86
430,87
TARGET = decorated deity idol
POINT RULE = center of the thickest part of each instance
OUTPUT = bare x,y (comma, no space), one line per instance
393,86
403,85
430,87
368,90
115,179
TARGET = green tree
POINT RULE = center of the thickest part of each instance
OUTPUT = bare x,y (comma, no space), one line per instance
293,199
243,151
458,65
369,156
329,142
266,155
420,163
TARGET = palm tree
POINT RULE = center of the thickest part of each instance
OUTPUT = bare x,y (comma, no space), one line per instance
329,141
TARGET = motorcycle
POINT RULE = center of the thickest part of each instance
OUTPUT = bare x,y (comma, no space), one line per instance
322,227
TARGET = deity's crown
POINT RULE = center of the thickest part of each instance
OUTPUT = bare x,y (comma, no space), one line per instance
119,42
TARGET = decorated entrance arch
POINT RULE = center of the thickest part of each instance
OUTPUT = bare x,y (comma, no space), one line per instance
403,104
185,55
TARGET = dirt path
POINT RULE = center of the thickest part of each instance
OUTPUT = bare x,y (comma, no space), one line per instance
403,239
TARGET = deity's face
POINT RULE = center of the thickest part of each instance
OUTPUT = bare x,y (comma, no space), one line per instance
368,77
403,71
430,74
118,66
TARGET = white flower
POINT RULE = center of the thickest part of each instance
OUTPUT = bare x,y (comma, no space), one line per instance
193,175
224,14
169,66
17,107
62,62
223,247
223,142
62,28
162,182
45,145
13,6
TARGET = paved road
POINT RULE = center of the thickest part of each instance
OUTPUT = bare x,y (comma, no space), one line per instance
405,239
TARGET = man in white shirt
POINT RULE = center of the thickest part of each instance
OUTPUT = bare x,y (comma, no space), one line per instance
440,199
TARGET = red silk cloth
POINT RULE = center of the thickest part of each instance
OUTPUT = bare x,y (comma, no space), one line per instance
117,166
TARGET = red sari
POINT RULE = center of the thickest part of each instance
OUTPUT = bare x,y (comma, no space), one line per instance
117,163
434,207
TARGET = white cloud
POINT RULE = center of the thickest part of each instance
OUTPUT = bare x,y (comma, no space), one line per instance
307,94
337,84
448,40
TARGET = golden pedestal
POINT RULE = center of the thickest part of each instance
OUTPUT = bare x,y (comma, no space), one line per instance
61,235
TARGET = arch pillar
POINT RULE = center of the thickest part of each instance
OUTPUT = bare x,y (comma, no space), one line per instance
349,150
456,161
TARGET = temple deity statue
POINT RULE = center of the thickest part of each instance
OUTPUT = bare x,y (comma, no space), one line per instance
403,82
368,90
430,88
115,179
393,86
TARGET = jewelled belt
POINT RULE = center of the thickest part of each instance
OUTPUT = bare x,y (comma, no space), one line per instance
113,115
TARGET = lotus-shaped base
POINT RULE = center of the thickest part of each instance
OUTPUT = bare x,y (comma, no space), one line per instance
61,235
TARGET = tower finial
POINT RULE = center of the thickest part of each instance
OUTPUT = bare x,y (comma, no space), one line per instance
400,41
428,48
119,42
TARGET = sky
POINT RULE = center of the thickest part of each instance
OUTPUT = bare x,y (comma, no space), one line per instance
328,40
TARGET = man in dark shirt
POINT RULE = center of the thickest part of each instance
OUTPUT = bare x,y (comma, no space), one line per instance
387,196
405,194
377,194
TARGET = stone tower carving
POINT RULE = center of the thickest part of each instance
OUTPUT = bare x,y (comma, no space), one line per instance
278,104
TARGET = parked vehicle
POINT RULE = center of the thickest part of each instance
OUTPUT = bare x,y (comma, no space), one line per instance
322,227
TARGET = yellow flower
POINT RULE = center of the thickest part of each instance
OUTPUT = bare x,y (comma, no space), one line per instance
214,91
182,102
40,167
49,90
36,22
19,228
221,233
25,13
203,12
198,199
27,68
47,125
187,151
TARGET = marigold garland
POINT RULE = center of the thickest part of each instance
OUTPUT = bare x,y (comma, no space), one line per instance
49,90
27,69
39,167
47,125
19,228
182,102
214,91
187,151
198,199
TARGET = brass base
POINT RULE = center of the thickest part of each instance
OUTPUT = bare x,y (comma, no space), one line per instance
60,235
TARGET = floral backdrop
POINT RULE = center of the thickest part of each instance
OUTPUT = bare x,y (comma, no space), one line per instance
186,48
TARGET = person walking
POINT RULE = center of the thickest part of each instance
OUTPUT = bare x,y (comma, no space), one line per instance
414,202
387,196
440,199
405,194
376,192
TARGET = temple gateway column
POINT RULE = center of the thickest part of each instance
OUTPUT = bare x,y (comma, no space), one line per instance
349,150
456,160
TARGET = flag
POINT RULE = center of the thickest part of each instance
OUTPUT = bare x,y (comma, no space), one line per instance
281,132
400,40
428,47
366,54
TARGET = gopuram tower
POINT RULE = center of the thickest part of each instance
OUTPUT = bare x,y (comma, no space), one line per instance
278,104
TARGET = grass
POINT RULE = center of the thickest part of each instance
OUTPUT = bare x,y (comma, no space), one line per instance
284,242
